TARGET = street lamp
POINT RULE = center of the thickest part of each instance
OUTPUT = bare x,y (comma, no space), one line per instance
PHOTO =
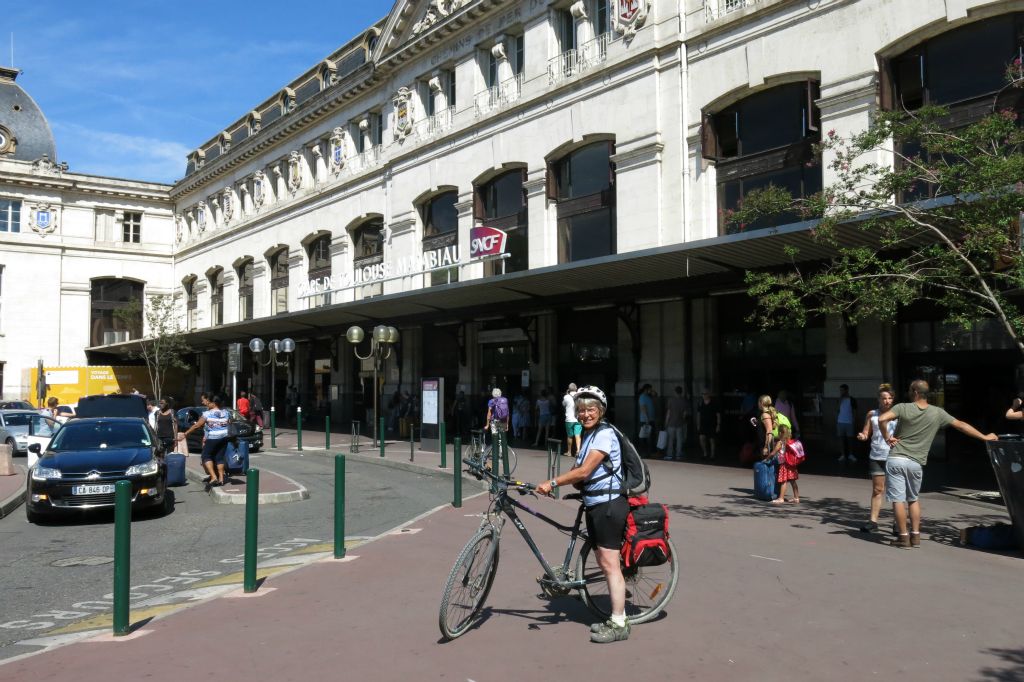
276,346
382,340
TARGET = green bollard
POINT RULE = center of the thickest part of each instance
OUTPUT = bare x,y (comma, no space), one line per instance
558,467
327,432
273,427
412,443
504,453
252,521
380,435
495,446
457,470
298,427
122,555
442,437
339,506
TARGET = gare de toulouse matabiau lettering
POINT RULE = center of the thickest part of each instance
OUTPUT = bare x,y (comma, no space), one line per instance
485,242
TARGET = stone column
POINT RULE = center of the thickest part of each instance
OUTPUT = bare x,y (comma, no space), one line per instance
541,235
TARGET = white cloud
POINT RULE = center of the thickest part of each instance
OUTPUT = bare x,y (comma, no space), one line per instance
133,157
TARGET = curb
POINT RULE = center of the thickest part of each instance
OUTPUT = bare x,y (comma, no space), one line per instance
18,498
221,497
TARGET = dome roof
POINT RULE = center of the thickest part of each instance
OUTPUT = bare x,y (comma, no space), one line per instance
24,132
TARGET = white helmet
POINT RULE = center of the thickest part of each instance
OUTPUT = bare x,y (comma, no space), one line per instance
496,393
592,392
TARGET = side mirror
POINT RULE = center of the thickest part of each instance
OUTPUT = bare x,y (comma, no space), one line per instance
35,448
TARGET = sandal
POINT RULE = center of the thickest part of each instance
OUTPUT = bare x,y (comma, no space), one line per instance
778,501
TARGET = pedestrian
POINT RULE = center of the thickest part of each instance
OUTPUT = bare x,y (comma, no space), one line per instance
520,416
151,411
214,422
497,414
767,425
606,508
709,423
51,408
788,473
544,417
908,454
677,416
879,451
256,408
845,419
573,430
645,404
244,406
167,425
783,405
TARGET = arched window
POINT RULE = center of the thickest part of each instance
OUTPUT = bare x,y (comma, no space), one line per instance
765,139
582,184
368,242
217,297
116,306
441,235
244,273
501,203
191,302
320,266
278,263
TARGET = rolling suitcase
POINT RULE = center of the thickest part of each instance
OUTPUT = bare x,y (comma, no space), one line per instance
765,473
175,468
237,456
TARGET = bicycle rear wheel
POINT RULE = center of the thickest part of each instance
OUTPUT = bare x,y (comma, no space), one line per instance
469,583
513,460
648,589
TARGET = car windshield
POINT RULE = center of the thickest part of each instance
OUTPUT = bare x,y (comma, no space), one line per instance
100,436
17,423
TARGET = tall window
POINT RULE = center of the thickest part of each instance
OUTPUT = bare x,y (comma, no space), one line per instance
519,62
320,266
565,29
10,215
217,297
131,230
377,128
1,306
501,203
492,69
449,87
368,241
191,303
765,139
244,273
582,183
279,282
116,307
441,232
601,23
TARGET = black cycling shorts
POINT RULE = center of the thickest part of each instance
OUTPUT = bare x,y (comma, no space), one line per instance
606,523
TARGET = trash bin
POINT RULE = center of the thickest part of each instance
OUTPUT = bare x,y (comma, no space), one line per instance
1007,456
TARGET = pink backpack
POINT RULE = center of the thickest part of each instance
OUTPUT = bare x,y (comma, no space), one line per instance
794,454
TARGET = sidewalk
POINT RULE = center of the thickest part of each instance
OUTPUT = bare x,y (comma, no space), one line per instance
12,491
767,593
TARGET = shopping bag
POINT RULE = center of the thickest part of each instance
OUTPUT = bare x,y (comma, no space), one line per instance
645,431
662,439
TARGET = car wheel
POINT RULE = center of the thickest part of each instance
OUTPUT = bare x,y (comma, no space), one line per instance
168,506
33,517
13,444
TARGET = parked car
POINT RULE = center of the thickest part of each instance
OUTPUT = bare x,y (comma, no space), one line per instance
40,430
17,424
247,430
86,457
66,411
16,405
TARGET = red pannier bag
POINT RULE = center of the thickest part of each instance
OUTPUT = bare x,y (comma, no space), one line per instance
645,541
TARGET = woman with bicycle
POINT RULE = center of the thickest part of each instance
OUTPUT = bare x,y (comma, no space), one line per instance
606,508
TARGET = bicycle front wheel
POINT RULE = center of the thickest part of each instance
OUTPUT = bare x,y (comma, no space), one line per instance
648,589
469,583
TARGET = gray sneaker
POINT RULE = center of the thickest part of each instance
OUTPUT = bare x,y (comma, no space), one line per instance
597,626
607,632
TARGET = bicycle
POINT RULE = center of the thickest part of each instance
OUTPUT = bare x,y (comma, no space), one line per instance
648,589
478,449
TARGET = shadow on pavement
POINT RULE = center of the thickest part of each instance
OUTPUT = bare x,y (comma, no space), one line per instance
1015,671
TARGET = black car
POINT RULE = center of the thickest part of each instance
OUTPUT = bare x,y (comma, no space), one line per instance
247,430
84,460
16,405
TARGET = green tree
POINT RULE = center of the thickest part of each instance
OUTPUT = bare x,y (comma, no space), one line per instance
942,223
163,346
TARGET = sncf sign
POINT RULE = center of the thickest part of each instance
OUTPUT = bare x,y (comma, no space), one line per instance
486,241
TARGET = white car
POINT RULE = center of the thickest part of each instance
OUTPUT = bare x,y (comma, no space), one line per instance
40,430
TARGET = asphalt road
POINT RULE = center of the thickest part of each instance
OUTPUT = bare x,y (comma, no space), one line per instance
59,576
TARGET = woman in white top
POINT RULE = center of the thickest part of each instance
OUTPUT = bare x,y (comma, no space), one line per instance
879,451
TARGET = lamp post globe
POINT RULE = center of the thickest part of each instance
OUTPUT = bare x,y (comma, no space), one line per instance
392,335
380,333
256,345
287,345
274,346
354,334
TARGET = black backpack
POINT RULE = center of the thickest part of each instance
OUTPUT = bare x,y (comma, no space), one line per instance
637,479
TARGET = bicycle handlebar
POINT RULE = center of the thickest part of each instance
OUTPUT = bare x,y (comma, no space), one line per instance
477,469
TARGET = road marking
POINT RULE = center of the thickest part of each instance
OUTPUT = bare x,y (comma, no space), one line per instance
766,558
405,531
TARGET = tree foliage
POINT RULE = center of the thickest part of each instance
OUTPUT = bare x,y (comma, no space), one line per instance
163,346
942,223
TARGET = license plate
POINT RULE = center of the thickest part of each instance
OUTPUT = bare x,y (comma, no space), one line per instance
92,489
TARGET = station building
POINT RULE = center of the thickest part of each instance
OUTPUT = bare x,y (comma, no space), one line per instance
533,194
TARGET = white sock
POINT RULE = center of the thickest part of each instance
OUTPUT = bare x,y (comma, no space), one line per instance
619,620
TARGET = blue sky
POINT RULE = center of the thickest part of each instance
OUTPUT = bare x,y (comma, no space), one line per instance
130,87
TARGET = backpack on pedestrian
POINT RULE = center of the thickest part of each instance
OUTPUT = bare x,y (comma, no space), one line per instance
794,454
499,411
636,475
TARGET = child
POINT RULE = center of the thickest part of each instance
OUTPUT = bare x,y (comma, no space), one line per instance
788,461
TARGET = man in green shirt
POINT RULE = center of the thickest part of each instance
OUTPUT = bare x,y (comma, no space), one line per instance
904,469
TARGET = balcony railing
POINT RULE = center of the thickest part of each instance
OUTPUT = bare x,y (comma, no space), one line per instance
716,9
572,63
433,125
499,96
367,159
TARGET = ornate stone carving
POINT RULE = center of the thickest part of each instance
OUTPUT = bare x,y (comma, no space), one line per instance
498,51
201,216
179,228
403,113
259,189
337,150
43,218
578,10
44,166
436,12
294,171
629,17
227,204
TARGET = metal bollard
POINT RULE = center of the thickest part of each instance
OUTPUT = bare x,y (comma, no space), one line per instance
353,440
495,446
327,432
442,436
457,471
504,452
122,555
339,506
380,435
252,500
558,468
412,442
298,426
273,427
551,469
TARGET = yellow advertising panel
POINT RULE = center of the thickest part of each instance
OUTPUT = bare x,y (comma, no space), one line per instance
68,384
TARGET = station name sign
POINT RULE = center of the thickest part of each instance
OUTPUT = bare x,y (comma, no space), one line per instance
485,242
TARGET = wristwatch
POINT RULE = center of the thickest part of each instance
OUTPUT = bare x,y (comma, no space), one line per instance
553,483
